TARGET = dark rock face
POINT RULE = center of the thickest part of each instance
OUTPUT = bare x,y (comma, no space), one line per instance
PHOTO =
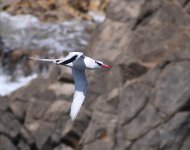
149,42
142,103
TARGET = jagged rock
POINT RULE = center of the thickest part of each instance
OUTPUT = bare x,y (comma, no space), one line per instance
41,131
23,146
73,131
148,40
124,10
174,87
44,119
66,89
26,98
27,137
100,132
52,10
1,47
110,104
61,147
128,107
132,71
56,110
6,143
4,104
9,125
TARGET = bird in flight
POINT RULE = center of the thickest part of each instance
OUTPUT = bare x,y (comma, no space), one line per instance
79,63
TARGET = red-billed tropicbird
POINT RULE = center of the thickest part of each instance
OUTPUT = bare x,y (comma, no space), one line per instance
78,62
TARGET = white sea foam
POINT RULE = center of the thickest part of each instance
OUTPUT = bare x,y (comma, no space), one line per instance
7,87
26,31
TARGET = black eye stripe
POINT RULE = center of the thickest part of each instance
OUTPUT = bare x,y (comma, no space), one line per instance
69,60
98,63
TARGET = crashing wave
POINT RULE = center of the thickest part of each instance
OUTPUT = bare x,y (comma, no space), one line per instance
26,31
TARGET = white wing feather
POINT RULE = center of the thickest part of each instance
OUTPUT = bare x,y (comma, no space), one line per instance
81,85
60,60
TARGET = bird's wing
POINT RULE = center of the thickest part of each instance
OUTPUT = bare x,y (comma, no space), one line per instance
81,85
62,61
70,58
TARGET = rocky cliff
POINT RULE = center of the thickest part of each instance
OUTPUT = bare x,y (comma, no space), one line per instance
55,10
142,103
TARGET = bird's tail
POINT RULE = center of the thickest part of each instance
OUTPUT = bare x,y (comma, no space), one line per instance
40,59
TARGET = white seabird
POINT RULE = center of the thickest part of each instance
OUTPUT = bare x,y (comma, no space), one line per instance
78,62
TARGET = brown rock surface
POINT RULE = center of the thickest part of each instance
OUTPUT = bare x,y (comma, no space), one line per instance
149,42
142,103
54,10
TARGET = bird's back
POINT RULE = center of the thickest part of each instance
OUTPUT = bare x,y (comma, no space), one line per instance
79,63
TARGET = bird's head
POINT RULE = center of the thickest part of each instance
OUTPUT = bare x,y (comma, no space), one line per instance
100,64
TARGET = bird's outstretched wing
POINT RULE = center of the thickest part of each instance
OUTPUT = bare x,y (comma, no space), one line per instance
81,85
62,61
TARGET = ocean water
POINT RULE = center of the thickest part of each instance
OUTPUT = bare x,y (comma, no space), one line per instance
26,31
7,86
